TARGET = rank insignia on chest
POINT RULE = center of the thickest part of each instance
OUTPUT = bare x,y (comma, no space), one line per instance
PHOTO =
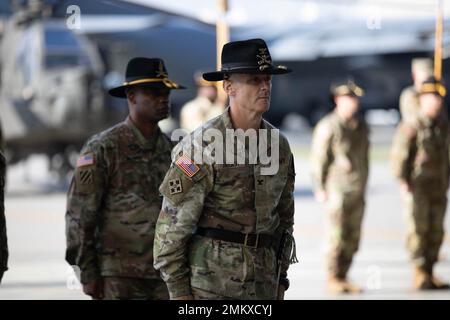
175,186
85,160
187,166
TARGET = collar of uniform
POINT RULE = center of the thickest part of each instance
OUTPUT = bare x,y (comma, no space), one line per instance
425,121
265,125
226,120
203,103
143,142
351,124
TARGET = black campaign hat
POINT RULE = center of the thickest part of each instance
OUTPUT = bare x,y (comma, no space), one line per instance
248,56
149,72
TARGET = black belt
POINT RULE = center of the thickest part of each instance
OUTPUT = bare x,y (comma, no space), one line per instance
253,240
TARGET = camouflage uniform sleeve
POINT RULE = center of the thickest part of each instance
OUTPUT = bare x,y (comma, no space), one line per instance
181,210
286,212
407,104
3,237
321,155
403,152
83,208
366,154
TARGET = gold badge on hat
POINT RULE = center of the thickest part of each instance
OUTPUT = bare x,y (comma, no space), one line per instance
161,73
264,59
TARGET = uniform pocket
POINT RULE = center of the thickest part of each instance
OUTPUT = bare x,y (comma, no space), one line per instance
218,266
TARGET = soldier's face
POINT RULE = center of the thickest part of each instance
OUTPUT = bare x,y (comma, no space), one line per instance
150,104
249,91
430,104
209,92
419,76
347,106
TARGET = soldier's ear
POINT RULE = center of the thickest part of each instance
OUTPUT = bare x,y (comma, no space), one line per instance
131,97
335,100
228,87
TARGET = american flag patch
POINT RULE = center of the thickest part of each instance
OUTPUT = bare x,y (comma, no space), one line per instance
85,160
187,166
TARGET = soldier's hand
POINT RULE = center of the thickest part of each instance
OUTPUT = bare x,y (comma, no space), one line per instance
281,290
321,196
187,297
94,289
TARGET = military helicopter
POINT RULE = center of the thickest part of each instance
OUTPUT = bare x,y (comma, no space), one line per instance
51,96
54,80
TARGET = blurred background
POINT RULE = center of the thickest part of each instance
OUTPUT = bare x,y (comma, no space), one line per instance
59,58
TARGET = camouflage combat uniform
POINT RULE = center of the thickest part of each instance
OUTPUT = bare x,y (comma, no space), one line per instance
420,157
340,167
3,238
229,197
409,106
198,111
113,205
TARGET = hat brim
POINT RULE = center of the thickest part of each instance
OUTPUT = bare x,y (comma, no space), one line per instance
350,94
219,75
120,92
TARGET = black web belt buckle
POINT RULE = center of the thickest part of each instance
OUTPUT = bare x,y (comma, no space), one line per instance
247,238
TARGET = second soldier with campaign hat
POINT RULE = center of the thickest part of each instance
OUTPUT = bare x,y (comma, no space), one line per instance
113,200
340,165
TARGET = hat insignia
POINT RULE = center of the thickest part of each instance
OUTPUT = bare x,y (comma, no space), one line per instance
264,60
161,73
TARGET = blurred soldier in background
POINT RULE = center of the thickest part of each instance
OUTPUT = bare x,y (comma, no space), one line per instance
203,108
420,160
113,201
421,68
340,167
225,230
3,238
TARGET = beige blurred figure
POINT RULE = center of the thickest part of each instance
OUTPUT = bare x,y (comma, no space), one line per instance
340,168
420,161
203,108
421,68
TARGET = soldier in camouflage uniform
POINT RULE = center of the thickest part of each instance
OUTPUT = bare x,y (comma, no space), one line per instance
225,230
3,238
340,169
421,69
203,108
113,201
420,161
